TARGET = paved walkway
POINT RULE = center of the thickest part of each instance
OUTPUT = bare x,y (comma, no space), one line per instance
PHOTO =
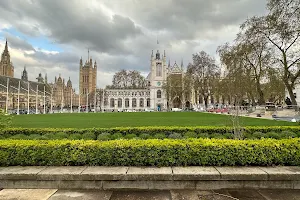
51,194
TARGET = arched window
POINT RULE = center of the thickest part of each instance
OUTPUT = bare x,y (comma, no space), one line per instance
119,103
158,94
105,102
126,102
158,69
148,102
141,102
112,102
134,102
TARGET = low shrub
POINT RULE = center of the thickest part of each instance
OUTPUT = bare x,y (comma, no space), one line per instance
75,136
19,137
159,136
203,135
175,136
152,130
272,135
34,137
104,136
88,136
130,136
288,134
258,135
60,136
190,135
145,136
116,136
154,152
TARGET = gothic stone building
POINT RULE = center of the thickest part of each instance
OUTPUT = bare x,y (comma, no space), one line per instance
6,66
63,94
87,80
152,97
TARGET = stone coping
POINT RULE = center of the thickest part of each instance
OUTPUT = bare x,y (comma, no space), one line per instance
102,173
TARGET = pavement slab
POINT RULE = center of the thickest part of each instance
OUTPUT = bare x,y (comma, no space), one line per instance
280,194
282,173
242,173
81,195
195,173
246,194
141,195
104,173
60,173
149,173
26,194
19,172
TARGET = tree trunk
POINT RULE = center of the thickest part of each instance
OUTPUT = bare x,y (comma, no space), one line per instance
205,101
261,98
289,88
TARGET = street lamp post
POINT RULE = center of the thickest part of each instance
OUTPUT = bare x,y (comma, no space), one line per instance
87,102
18,111
28,101
71,100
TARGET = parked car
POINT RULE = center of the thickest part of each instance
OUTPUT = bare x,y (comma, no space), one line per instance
270,106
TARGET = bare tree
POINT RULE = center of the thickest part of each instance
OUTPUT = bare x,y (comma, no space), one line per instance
128,80
281,28
203,72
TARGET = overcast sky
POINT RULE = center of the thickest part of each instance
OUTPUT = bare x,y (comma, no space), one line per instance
50,36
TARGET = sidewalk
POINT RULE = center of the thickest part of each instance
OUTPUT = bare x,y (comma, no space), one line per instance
149,178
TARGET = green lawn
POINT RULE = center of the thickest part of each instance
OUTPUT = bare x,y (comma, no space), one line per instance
90,120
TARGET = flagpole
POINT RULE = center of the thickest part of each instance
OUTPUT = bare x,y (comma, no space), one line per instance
36,99
18,111
28,99
79,107
44,100
6,104
51,101
87,101
71,100
95,100
103,101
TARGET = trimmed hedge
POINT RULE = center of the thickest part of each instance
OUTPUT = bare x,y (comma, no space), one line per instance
151,130
145,136
169,152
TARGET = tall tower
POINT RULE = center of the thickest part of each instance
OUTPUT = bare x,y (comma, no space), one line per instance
24,75
158,76
6,66
87,80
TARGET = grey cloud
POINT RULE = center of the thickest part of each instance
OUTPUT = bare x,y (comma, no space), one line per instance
18,43
69,23
125,40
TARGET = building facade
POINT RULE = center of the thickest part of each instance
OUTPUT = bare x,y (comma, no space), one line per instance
6,66
87,80
153,97
64,95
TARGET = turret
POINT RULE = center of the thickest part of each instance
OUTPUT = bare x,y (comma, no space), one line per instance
181,66
157,55
80,62
95,64
152,54
46,79
55,80
69,83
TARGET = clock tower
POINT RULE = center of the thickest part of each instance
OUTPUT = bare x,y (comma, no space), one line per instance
158,76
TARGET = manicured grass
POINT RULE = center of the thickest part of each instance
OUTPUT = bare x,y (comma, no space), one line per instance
90,120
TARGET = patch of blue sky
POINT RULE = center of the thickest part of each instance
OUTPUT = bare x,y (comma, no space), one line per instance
41,42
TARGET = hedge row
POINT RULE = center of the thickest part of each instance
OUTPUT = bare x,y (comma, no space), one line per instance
115,136
189,152
150,130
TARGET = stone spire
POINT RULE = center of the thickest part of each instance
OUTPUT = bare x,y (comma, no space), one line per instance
181,64
6,46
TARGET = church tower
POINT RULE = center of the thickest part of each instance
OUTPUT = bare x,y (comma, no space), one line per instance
6,66
158,76
87,81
